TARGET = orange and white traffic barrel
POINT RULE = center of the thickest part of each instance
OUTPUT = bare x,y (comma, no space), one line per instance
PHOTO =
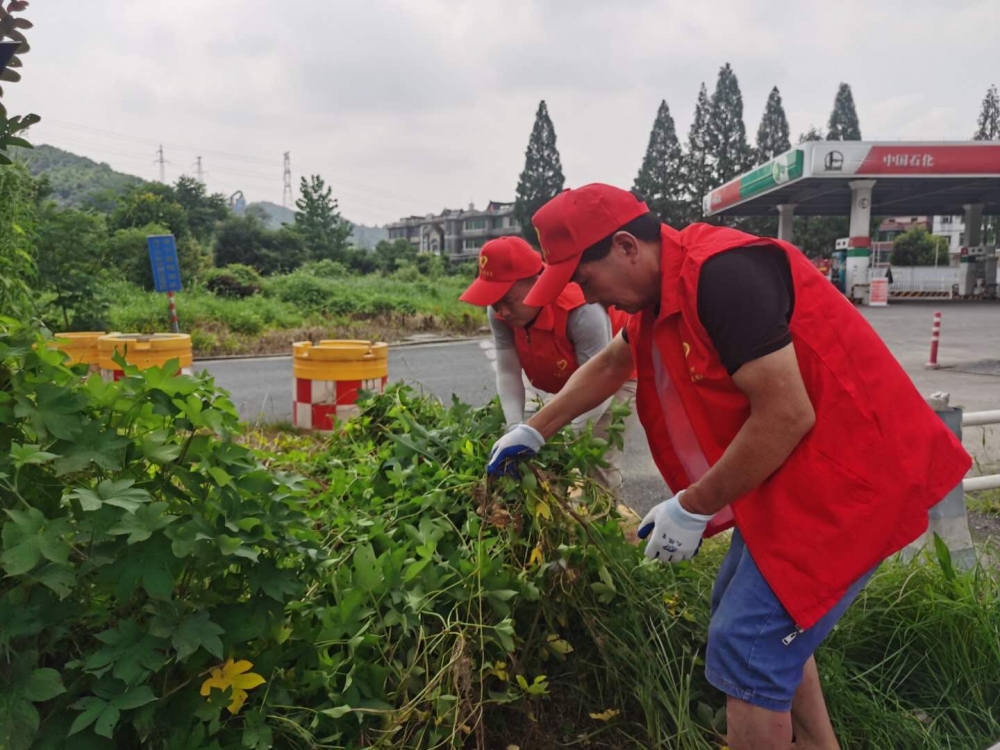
80,347
328,376
143,351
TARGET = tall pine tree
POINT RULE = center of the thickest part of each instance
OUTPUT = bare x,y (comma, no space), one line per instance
697,164
772,135
843,125
318,221
988,127
660,179
542,178
726,134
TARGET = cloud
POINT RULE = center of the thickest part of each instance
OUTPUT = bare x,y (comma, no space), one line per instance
407,106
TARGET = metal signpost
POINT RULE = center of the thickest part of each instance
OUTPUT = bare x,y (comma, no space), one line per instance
166,270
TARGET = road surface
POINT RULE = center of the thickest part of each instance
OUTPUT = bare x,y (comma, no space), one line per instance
262,388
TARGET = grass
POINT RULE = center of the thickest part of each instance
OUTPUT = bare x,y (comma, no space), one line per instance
300,307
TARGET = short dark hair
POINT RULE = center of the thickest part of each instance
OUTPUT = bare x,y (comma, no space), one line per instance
645,228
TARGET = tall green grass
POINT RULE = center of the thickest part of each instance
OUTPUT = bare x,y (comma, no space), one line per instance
299,305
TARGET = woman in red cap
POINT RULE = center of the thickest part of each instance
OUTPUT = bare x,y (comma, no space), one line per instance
769,402
548,342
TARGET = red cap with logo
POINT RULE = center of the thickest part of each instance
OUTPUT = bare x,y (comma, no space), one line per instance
572,222
502,263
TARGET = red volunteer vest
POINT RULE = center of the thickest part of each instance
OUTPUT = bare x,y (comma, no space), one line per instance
858,486
546,353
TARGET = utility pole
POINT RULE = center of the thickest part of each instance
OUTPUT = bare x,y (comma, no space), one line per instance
162,163
201,173
286,197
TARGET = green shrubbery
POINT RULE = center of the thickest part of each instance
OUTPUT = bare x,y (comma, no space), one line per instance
170,583
234,280
225,322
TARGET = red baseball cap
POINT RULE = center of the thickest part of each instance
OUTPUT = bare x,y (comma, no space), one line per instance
502,263
572,222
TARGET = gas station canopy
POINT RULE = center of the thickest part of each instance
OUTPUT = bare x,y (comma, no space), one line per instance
909,178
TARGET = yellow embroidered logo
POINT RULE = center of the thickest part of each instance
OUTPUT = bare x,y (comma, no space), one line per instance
541,249
483,260
687,348
562,364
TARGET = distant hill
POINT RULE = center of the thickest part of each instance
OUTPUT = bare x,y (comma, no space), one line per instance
75,180
81,182
361,235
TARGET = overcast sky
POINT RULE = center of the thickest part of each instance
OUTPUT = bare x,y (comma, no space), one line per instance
410,106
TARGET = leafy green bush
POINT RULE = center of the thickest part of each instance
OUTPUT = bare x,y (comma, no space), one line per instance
235,280
324,269
143,548
164,589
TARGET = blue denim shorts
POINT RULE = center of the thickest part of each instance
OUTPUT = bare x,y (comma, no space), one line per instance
755,651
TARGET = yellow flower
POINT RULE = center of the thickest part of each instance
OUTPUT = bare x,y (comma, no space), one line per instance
233,674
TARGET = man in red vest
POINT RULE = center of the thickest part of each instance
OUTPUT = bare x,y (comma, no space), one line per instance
768,401
548,342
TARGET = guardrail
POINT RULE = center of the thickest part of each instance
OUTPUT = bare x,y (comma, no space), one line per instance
981,419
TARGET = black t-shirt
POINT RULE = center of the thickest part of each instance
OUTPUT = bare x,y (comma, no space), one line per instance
745,303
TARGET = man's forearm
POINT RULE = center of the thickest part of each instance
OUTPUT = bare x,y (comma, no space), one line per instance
759,449
589,387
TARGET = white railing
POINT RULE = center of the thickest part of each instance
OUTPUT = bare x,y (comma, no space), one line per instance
980,419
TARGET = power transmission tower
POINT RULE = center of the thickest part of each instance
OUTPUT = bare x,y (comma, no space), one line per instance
287,197
160,160
201,173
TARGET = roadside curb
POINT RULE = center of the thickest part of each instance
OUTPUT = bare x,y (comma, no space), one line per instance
399,345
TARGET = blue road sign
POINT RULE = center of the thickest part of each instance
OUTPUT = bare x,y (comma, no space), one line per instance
163,257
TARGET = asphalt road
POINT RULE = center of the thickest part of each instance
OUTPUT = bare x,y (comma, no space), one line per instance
262,388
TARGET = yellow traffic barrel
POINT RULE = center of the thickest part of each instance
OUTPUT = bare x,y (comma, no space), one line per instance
143,350
327,378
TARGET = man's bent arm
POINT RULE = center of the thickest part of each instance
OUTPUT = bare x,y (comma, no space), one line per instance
598,380
781,414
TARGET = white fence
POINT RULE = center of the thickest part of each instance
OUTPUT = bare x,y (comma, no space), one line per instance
979,419
913,279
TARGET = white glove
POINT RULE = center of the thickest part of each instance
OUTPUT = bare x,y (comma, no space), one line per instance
521,441
676,533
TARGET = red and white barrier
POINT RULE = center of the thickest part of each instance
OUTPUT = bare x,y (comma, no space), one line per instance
932,364
317,401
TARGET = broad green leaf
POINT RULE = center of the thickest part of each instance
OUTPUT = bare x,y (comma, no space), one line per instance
132,653
94,445
59,578
43,685
92,707
28,537
195,632
134,698
141,525
106,722
22,455
121,494
221,476
367,574
228,544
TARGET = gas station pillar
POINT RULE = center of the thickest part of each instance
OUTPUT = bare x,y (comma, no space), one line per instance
786,216
859,251
972,236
